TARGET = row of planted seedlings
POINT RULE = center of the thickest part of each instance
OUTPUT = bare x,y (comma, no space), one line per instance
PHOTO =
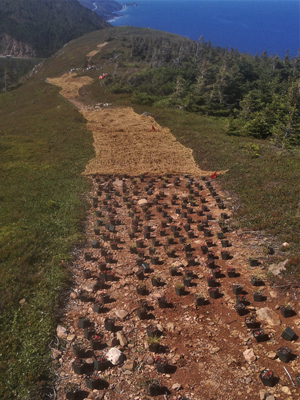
172,237
284,353
104,249
109,207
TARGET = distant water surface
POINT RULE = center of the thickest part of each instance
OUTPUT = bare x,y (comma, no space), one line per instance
248,26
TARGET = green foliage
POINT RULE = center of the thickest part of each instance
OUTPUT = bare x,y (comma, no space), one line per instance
44,149
251,150
259,94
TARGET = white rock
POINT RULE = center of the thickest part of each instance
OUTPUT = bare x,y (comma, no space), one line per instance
272,355
61,332
115,356
249,355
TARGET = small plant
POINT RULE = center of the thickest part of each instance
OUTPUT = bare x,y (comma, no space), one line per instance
179,286
153,340
251,150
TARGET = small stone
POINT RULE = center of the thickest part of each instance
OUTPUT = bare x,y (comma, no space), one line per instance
271,397
142,202
286,390
249,355
176,386
272,355
90,286
170,327
115,356
262,394
215,350
268,316
73,295
122,314
122,339
149,360
273,294
22,302
61,332
248,380
129,365
275,269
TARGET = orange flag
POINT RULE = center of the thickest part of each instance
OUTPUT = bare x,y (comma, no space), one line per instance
153,128
214,175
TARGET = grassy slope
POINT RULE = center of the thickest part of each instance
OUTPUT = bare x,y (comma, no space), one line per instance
44,148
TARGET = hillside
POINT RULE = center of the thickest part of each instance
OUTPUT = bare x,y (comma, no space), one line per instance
46,146
30,28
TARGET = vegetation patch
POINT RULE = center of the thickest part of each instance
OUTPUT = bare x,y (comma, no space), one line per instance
44,149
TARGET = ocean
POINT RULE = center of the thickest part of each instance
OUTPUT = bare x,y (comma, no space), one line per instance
247,26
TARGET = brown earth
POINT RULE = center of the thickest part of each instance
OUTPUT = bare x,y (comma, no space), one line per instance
204,345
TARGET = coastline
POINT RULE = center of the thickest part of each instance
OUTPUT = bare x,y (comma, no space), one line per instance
117,16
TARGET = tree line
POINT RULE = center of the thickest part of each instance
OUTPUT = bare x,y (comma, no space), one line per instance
260,95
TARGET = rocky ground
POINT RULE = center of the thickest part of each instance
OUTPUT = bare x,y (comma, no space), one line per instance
211,354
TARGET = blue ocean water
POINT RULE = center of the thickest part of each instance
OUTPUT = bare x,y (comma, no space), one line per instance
248,26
